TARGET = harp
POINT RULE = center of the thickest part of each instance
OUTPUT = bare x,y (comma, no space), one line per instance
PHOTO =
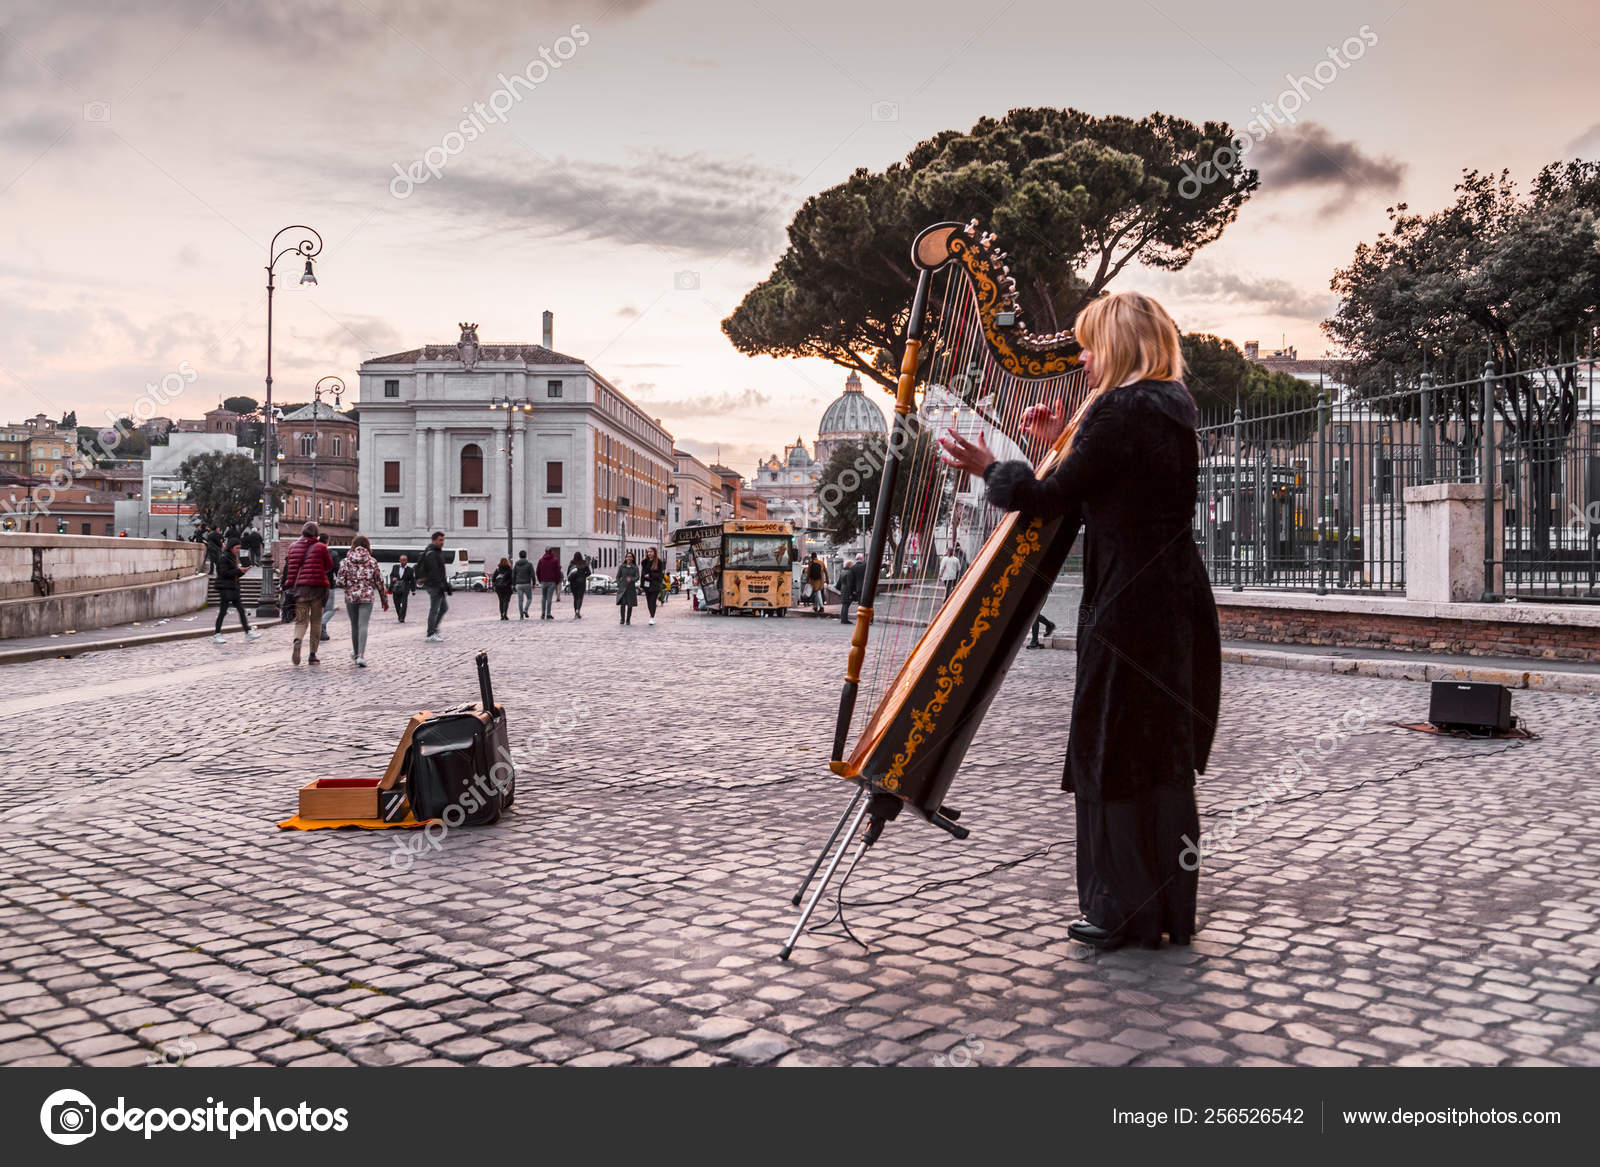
925,661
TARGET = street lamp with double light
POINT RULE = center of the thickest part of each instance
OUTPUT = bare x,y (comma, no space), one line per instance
309,246
337,390
511,406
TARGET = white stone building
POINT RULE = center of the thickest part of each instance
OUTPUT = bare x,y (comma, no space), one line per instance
508,444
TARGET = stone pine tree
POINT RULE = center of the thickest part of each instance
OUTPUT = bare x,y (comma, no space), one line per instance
1497,276
1074,198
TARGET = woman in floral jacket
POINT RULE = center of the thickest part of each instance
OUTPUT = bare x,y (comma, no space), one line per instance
361,579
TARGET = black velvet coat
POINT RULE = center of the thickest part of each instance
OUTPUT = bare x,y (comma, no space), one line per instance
1149,656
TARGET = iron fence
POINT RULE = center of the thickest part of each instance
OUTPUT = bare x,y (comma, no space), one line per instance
1309,494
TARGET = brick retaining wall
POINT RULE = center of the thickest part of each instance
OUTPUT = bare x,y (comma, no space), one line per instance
1407,633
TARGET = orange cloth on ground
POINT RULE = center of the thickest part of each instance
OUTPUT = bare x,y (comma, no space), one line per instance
296,823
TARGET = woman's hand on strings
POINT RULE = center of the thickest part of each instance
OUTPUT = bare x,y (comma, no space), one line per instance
1045,422
974,457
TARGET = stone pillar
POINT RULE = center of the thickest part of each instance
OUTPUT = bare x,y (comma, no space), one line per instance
439,491
522,517
419,484
496,485
1444,543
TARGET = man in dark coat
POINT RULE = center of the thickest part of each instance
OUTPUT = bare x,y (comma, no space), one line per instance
1149,656
435,578
522,578
402,582
850,581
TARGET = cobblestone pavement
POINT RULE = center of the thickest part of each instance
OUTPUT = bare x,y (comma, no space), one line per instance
1404,899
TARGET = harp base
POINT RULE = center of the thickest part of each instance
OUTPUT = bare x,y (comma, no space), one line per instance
881,808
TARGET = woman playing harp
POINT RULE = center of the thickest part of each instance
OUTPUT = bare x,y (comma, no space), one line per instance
1149,663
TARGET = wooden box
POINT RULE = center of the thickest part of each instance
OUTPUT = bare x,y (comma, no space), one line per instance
340,798
358,798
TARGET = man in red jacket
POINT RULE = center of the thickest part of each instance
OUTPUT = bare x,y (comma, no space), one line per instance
548,574
308,573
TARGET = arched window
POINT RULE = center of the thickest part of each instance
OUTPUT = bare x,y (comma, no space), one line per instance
471,469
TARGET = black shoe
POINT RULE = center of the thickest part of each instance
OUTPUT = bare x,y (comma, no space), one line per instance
1033,644
312,659
1094,936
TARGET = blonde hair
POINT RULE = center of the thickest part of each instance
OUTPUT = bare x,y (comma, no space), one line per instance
1132,338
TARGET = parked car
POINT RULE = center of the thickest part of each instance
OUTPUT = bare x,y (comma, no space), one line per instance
475,581
601,584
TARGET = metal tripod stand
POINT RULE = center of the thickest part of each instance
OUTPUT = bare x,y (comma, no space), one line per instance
881,808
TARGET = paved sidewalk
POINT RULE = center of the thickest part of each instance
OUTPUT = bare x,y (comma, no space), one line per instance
1399,898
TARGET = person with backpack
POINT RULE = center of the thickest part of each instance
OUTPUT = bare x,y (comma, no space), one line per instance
651,573
500,582
578,582
435,580
402,582
627,589
522,579
361,578
816,582
308,574
229,570
549,576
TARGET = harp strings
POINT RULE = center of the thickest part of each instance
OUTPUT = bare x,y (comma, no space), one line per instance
965,388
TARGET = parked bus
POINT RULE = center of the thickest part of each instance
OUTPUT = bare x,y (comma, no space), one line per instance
388,554
742,566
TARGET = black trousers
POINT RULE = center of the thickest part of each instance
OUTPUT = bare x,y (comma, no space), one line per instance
505,604
577,599
230,599
1132,856
401,599
1049,627
650,602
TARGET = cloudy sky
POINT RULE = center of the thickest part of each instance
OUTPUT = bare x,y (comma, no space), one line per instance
149,151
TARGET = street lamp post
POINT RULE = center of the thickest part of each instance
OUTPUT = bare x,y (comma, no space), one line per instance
337,389
309,247
511,405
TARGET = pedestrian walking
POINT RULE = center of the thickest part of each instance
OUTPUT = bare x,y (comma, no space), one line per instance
308,574
816,581
522,578
433,577
548,574
327,608
652,572
850,582
501,583
578,582
229,569
949,571
402,582
361,579
1049,630
627,589
212,540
